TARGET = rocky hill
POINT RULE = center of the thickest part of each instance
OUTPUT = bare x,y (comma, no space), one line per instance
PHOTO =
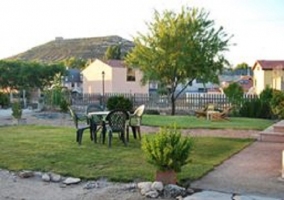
81,48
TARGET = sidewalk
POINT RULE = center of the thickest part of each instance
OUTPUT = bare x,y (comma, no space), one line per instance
255,171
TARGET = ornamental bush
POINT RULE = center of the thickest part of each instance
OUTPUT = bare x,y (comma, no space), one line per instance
167,150
17,110
119,102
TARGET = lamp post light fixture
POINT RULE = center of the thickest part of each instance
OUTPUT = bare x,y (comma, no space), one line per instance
103,89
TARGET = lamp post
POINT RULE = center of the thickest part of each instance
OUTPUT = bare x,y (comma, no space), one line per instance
103,89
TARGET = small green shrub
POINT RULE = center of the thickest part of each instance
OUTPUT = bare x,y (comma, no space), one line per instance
119,102
167,150
256,108
266,95
16,110
4,99
277,103
64,106
259,107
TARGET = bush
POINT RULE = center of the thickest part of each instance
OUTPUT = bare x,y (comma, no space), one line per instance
277,103
167,150
255,108
259,107
119,102
16,110
4,99
64,106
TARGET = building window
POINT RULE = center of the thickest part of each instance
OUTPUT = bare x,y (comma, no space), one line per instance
130,75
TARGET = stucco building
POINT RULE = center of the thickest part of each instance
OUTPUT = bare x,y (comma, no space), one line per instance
112,76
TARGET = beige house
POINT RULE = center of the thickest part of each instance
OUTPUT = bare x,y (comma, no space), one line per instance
112,76
268,73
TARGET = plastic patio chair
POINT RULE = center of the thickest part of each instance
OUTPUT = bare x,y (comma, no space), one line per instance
135,121
116,122
80,128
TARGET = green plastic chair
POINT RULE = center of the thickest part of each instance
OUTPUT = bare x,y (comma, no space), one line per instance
80,128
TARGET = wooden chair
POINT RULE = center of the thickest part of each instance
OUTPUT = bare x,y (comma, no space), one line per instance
134,122
116,122
80,128
203,112
224,115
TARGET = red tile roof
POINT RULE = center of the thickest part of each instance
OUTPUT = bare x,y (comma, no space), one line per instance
269,64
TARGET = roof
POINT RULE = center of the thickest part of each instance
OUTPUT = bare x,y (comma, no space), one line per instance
73,75
115,63
269,64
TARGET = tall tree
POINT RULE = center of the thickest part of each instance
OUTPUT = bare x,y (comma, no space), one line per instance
24,75
75,63
179,48
243,65
113,52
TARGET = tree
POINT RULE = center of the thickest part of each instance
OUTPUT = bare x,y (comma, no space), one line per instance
113,52
235,93
178,49
242,68
21,75
75,63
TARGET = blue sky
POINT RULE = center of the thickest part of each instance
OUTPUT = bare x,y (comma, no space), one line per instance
257,25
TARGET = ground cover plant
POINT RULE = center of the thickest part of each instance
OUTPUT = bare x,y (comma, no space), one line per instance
185,121
54,149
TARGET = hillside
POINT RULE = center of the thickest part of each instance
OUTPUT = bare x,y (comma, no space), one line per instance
61,49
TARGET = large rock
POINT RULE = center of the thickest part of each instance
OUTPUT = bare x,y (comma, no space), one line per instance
71,180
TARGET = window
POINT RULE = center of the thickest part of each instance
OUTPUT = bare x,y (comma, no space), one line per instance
130,75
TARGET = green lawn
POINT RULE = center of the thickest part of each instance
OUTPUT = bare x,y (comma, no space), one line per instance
53,149
186,121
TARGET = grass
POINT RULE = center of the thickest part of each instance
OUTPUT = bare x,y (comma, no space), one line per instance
185,121
53,149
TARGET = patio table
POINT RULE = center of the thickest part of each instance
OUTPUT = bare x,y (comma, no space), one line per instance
100,115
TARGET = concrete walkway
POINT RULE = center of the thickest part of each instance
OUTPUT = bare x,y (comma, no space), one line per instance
255,171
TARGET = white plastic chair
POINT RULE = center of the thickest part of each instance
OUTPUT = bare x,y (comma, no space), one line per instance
135,121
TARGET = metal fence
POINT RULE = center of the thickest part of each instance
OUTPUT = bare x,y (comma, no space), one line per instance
186,103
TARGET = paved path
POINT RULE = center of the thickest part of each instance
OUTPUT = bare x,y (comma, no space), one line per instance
254,171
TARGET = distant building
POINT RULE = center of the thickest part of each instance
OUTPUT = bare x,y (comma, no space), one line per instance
268,73
73,80
112,76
